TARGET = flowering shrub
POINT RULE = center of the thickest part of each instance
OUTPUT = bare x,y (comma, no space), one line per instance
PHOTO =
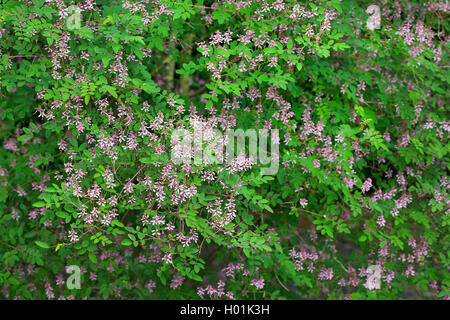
89,98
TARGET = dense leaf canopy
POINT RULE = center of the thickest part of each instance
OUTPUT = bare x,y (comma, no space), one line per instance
91,92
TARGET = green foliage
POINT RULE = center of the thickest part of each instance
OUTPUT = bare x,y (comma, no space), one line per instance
87,179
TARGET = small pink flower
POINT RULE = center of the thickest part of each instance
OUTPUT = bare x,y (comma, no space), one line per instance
258,283
367,185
